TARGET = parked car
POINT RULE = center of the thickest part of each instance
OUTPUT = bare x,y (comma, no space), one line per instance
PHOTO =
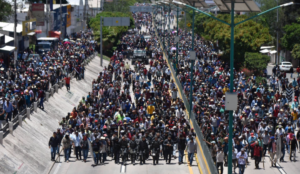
286,66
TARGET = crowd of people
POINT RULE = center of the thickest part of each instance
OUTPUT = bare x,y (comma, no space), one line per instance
132,113
33,75
267,117
151,120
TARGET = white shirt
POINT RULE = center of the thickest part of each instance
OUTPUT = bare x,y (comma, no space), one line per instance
242,158
77,140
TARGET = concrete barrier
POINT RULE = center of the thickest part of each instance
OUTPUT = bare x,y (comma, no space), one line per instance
56,87
1,137
47,96
35,106
60,84
28,113
51,91
20,120
11,127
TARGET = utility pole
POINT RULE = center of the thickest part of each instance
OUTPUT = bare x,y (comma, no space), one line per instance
47,18
15,35
61,20
84,14
101,42
277,44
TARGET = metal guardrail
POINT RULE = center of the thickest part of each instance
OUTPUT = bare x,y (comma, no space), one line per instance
15,120
200,137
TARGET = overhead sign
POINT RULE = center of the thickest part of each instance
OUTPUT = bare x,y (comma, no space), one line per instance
37,12
116,21
145,9
28,26
69,7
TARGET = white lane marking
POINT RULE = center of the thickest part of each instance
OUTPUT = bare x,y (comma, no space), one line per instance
123,169
280,169
57,168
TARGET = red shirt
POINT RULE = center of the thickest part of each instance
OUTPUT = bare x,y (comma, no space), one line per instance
67,80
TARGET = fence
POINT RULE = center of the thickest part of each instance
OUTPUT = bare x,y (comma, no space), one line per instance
18,119
206,151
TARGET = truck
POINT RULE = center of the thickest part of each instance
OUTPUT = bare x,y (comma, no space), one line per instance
45,44
140,56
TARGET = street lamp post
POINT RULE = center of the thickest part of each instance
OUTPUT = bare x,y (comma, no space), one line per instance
176,64
192,66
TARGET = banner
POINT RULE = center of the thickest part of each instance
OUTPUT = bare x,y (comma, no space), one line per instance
28,26
69,8
38,13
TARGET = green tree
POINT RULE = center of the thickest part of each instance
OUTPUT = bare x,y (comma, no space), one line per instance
199,20
248,36
291,13
6,10
291,36
110,35
256,61
296,51
269,19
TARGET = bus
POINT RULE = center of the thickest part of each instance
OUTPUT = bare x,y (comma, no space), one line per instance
43,42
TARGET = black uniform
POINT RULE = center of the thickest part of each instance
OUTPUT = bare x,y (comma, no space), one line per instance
116,147
168,150
155,147
124,148
133,149
143,149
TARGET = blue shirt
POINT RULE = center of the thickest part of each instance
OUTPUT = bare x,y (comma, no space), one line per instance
8,108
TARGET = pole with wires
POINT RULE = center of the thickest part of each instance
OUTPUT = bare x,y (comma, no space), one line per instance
15,34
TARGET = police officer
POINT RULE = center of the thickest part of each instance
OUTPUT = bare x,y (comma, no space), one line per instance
156,148
133,148
116,147
124,148
164,137
143,149
168,143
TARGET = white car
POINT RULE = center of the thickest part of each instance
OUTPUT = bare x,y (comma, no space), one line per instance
285,66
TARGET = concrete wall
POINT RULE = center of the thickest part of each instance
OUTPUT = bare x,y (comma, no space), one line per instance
27,151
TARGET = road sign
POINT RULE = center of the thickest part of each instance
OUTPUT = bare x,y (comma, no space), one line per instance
116,21
182,12
189,24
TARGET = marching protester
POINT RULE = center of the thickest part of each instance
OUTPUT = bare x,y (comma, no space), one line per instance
136,110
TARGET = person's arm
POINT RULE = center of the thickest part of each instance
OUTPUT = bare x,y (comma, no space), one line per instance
50,141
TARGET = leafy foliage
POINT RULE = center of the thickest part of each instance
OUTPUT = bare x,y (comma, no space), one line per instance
291,13
110,35
248,36
6,10
296,51
291,36
269,19
256,61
